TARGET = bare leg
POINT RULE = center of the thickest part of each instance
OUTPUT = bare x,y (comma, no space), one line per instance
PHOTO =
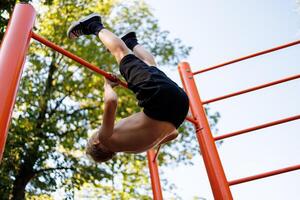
114,44
92,24
144,55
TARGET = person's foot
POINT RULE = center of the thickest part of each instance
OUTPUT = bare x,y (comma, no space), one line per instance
130,40
88,25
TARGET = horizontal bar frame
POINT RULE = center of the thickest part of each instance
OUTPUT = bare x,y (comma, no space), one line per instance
252,89
77,59
264,175
273,123
247,57
234,182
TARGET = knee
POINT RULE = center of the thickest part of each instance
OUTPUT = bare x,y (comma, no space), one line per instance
119,52
151,61
119,49
122,50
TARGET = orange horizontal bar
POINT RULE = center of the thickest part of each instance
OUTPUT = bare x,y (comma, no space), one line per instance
76,58
252,89
247,57
264,175
257,127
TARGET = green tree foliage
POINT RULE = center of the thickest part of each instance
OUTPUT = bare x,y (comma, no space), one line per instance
6,8
60,102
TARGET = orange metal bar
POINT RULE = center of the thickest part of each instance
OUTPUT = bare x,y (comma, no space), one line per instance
247,57
190,119
252,89
216,175
76,58
263,175
12,56
154,174
157,152
257,127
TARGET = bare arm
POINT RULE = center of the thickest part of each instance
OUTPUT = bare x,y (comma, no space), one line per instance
110,107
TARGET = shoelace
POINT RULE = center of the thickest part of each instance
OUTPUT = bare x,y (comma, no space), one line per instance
79,31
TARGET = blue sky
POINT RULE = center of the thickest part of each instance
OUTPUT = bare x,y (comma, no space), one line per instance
219,31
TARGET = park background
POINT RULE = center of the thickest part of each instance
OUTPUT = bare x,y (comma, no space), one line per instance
217,31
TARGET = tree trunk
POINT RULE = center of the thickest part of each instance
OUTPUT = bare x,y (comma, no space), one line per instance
26,172
25,175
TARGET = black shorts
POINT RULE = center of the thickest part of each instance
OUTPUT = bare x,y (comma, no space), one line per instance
161,98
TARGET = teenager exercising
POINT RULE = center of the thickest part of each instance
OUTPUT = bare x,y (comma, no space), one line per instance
165,104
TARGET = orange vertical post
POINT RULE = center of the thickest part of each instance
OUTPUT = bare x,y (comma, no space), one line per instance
217,178
12,55
154,174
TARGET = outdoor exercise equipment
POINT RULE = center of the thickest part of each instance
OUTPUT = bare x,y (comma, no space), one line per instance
12,56
218,181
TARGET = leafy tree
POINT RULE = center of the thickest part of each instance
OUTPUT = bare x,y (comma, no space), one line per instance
6,8
59,102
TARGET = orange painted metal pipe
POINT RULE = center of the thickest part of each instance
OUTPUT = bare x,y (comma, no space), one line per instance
154,175
192,120
264,175
157,153
76,58
252,89
296,117
216,175
249,56
12,57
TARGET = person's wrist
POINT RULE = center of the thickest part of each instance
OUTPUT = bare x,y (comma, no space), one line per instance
106,85
111,100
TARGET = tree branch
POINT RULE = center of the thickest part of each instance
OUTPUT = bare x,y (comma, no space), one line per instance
53,169
81,109
58,103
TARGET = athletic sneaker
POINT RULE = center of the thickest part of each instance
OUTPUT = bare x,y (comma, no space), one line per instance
88,25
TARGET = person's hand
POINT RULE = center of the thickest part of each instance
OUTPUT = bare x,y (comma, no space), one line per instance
109,94
112,83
